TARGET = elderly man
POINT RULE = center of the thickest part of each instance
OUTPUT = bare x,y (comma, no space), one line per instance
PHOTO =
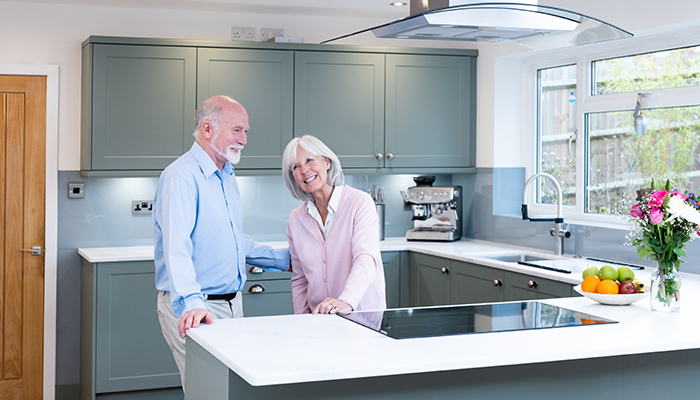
200,248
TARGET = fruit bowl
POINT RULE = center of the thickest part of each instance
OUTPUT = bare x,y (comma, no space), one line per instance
612,299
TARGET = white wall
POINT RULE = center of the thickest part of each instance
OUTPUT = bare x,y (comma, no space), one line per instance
43,33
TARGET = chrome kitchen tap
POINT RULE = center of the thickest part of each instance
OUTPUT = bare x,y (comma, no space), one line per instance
558,232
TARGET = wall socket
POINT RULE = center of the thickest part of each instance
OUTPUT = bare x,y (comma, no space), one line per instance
242,33
141,206
269,33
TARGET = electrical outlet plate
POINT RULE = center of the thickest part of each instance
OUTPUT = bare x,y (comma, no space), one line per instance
269,33
141,206
76,190
242,33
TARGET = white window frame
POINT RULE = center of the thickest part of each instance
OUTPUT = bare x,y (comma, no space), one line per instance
653,40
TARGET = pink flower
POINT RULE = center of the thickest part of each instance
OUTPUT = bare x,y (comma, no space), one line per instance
681,195
636,211
656,216
657,199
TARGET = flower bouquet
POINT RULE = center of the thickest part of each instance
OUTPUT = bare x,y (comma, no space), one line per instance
663,220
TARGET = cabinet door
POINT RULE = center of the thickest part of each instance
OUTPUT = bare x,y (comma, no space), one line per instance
430,111
142,107
525,287
130,351
263,82
392,277
430,280
476,283
339,98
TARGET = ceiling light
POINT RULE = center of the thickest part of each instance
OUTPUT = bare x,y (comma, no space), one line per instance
397,4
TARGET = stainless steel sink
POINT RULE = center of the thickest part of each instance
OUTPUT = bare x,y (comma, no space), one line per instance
516,258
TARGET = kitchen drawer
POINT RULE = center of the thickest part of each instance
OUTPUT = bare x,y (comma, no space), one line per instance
258,274
267,297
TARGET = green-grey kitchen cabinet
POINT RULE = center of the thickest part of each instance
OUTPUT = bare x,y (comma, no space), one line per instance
527,287
339,98
472,283
388,110
430,280
396,276
430,111
137,111
261,80
122,349
267,293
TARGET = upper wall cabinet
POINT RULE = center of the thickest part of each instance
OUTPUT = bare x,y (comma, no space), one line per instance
381,110
391,111
261,80
339,98
430,111
138,107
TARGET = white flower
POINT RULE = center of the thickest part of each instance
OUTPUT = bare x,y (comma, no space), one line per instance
679,208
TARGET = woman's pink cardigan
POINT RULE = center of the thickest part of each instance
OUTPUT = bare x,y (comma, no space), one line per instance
346,265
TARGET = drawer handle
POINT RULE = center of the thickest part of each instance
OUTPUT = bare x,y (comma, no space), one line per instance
256,270
379,156
444,270
257,288
532,284
497,283
389,156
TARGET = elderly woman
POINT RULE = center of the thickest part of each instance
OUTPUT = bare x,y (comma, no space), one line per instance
333,236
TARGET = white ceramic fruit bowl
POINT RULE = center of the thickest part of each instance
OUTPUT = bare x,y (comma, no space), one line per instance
612,299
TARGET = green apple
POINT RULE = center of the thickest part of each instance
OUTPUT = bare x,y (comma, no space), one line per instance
608,272
590,271
625,274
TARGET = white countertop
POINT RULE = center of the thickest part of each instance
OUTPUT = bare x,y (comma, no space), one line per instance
463,250
303,348
306,348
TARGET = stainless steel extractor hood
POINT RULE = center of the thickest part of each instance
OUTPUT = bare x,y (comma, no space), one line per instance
535,26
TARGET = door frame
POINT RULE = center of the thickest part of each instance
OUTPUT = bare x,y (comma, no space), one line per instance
51,214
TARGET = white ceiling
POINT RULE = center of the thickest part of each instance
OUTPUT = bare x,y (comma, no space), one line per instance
340,8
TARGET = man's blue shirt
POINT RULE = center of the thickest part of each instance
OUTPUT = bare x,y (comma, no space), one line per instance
200,247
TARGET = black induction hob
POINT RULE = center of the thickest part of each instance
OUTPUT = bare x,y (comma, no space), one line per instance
465,319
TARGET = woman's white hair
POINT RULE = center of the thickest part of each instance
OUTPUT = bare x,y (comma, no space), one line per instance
317,148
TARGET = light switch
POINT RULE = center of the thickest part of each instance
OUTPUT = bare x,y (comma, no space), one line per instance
76,190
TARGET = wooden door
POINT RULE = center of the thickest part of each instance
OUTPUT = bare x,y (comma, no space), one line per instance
22,184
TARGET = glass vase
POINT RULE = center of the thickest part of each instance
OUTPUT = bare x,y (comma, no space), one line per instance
665,290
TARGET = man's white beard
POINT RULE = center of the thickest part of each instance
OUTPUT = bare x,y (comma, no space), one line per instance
233,154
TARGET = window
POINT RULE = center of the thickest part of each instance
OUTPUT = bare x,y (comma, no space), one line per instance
557,132
592,102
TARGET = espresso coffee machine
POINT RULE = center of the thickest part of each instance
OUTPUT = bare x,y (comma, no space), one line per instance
437,211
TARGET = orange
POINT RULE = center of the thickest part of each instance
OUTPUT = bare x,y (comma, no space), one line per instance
607,286
590,283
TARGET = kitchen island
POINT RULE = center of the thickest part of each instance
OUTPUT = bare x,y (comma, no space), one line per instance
645,355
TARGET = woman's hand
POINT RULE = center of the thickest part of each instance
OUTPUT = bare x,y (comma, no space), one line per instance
332,306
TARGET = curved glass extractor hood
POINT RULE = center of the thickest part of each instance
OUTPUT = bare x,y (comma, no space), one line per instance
537,27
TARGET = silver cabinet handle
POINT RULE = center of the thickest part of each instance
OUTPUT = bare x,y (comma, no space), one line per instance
379,156
444,270
532,284
257,288
497,283
256,270
390,156
36,250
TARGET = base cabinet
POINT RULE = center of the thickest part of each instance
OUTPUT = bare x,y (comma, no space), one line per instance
267,293
123,354
122,347
440,281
